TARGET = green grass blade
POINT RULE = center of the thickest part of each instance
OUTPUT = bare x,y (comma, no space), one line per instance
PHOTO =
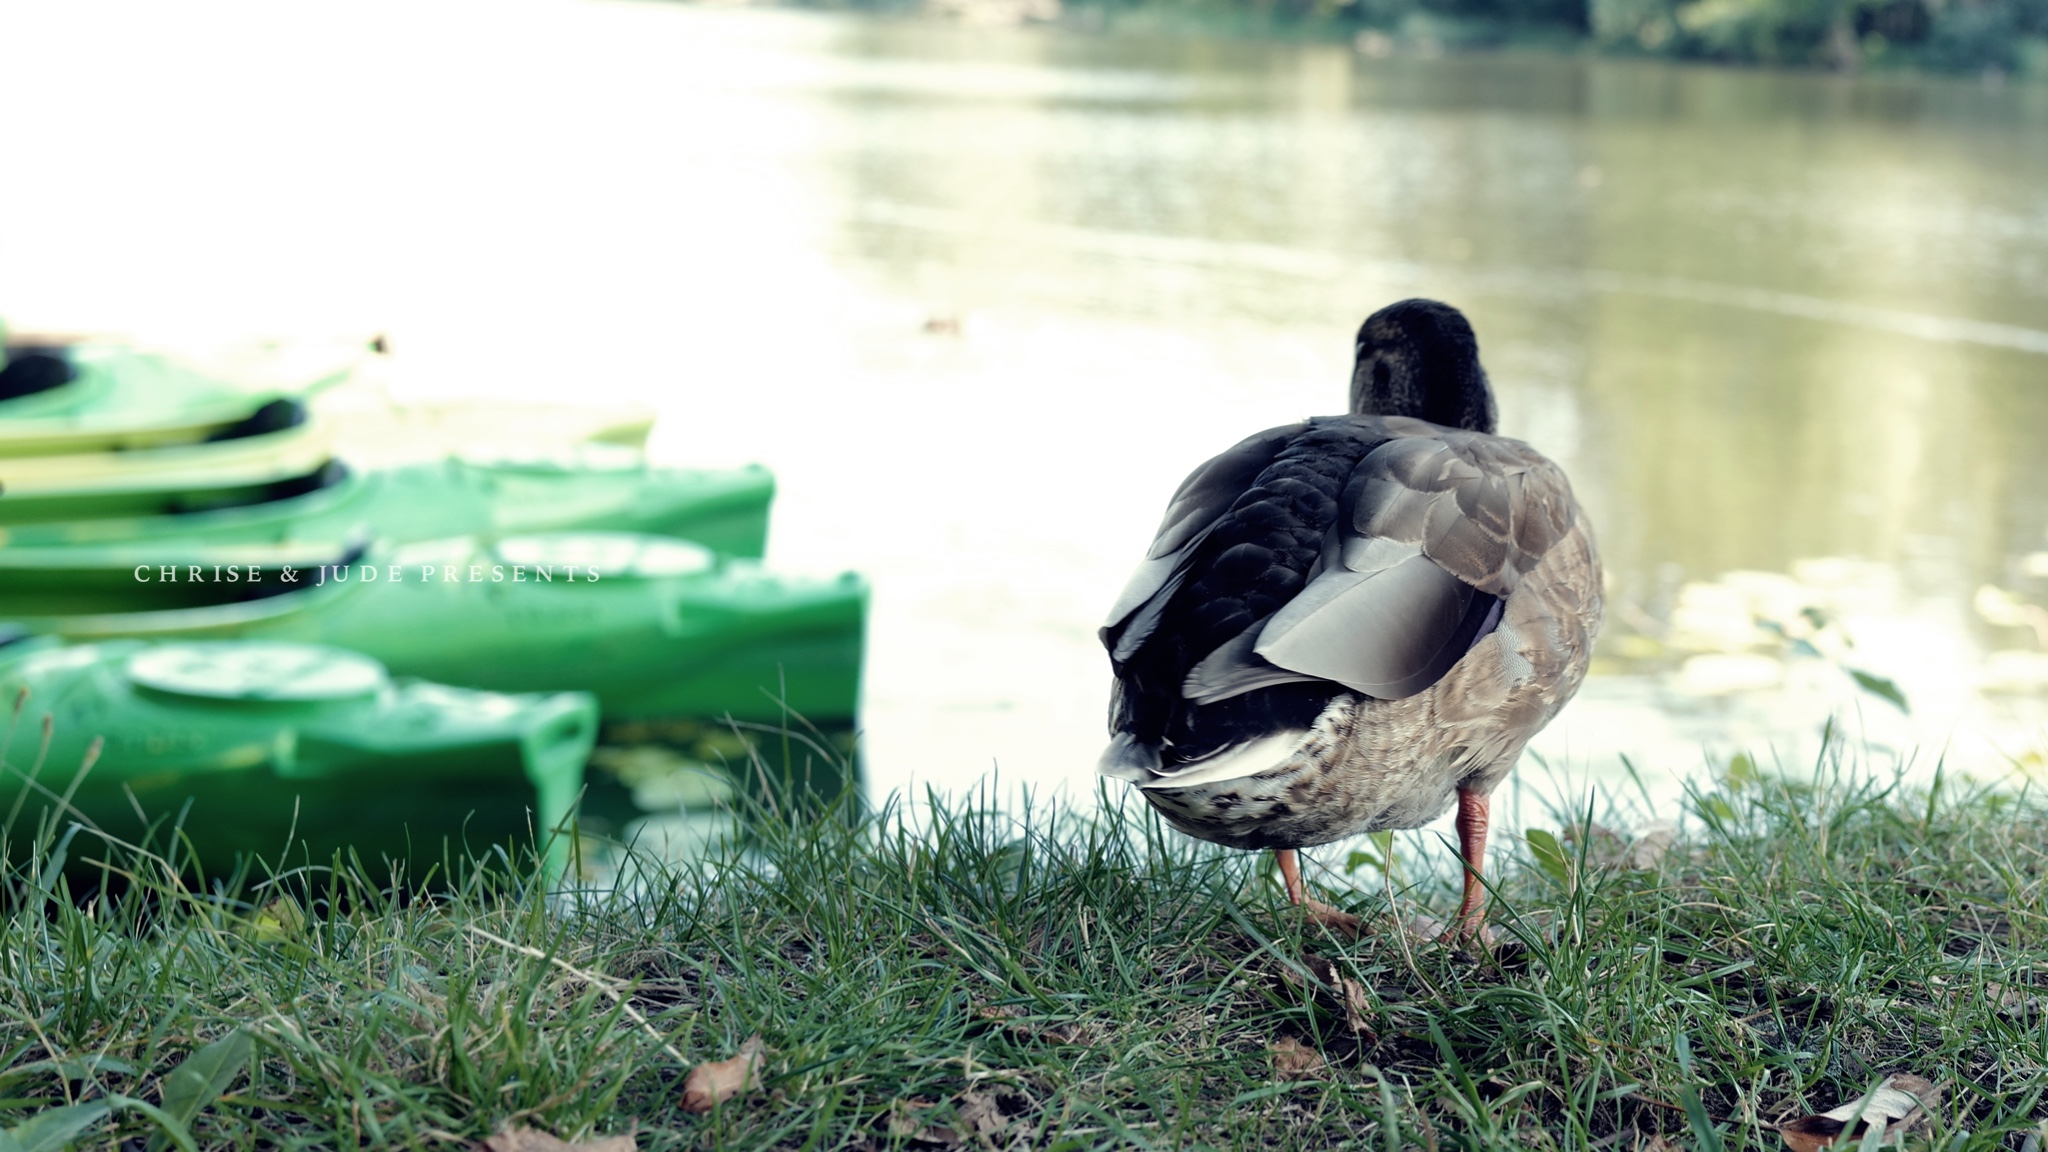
53,1128
200,1079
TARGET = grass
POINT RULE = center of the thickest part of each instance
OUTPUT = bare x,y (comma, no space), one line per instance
974,979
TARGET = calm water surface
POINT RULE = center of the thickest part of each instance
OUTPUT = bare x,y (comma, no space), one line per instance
982,296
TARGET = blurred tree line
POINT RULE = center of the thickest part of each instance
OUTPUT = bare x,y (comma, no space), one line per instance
1952,35
1948,35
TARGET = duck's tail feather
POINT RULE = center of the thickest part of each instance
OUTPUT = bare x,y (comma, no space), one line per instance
1249,758
1128,758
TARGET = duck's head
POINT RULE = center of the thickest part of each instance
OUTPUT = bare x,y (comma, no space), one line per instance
1419,358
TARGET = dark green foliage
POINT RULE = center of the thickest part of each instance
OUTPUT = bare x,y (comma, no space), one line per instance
1951,35
1979,35
1943,35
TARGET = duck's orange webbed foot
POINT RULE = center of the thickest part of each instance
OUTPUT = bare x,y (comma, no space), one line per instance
1335,919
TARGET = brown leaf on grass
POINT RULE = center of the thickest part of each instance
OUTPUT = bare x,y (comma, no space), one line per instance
1603,844
1423,928
519,1138
715,1082
1294,1060
1607,848
1350,993
1357,1008
2012,999
907,1122
1653,842
2005,999
1074,1032
983,1112
1012,1016
1900,1103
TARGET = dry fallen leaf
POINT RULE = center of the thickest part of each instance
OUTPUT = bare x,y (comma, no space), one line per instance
1357,1003
1293,1059
2012,999
1900,1103
1357,1008
1606,848
1603,844
1652,843
907,1123
1426,929
983,1112
1012,1016
995,1117
2006,999
523,1139
715,1082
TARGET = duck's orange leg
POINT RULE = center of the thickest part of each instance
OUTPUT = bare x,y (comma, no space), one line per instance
1472,812
1290,875
1297,893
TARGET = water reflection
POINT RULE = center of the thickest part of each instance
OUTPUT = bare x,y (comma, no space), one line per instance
1784,331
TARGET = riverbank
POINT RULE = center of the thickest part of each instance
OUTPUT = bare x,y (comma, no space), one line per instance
983,981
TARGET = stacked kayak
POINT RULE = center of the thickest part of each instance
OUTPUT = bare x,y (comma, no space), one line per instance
153,519
725,510
108,445
86,400
287,752
90,433
655,627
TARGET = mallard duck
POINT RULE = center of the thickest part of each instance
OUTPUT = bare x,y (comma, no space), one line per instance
1345,622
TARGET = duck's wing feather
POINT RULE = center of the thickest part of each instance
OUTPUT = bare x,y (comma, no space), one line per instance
1484,508
1200,502
1440,527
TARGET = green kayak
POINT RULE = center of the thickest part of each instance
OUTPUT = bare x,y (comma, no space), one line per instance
41,486
590,488
289,752
92,400
99,434
656,627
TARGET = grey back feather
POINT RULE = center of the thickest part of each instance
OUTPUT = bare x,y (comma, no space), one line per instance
1437,519
1484,508
1202,499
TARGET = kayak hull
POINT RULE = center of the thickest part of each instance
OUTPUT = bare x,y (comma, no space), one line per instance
665,630
113,400
725,510
414,773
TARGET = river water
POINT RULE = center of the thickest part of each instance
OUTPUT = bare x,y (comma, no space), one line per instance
981,296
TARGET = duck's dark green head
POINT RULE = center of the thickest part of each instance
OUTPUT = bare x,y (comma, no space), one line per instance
1419,358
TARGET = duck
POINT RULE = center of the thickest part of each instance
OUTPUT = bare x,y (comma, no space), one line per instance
1349,623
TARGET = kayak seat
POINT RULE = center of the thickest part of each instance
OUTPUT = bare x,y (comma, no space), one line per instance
326,476
269,587
275,416
33,368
